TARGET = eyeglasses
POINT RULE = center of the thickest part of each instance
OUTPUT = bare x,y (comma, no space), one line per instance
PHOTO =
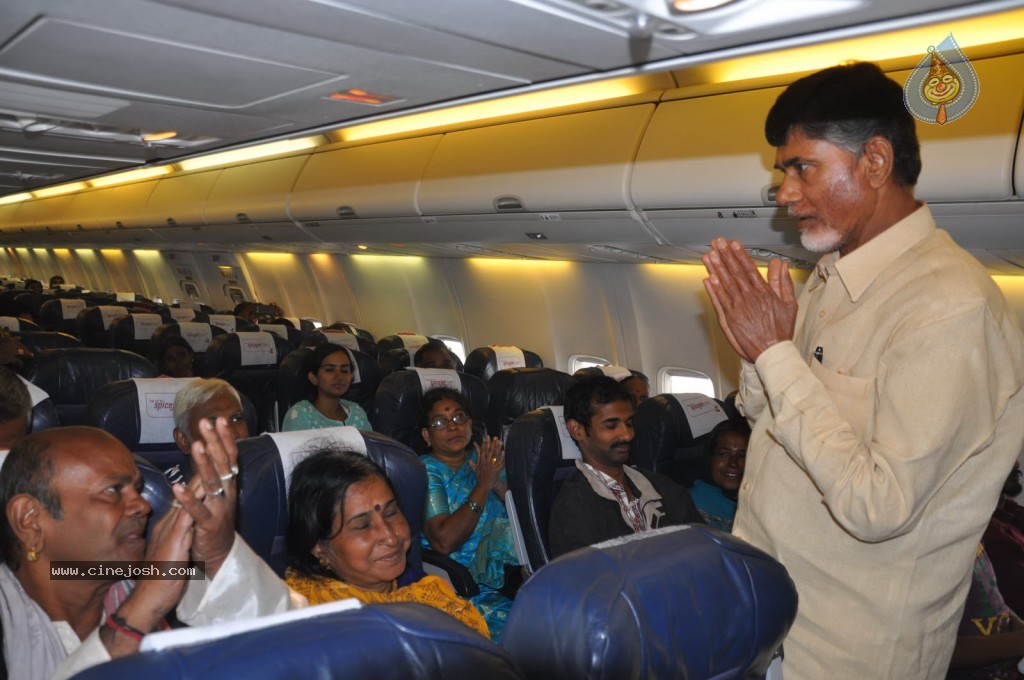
441,423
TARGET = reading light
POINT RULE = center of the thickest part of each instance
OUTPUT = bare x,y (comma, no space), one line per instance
536,236
159,136
130,176
250,153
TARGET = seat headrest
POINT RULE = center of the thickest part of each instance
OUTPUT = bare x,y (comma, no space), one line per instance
15,325
671,433
37,341
180,314
139,412
484,362
516,391
617,372
402,340
407,640
396,405
231,351
680,602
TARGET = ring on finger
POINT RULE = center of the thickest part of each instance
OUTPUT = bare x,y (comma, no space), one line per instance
218,492
228,477
234,469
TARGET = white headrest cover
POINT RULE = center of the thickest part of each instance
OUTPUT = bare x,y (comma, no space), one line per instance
702,412
69,308
431,378
125,297
569,449
11,323
145,324
412,341
277,329
181,314
197,335
296,445
36,394
346,340
506,356
110,312
156,408
225,321
617,372
257,348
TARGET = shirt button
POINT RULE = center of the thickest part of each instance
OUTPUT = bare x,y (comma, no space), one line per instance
746,486
821,314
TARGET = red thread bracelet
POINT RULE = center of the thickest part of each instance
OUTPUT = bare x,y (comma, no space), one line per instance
121,626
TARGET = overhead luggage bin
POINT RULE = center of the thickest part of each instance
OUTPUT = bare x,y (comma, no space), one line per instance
578,161
41,213
375,180
178,200
118,207
253,193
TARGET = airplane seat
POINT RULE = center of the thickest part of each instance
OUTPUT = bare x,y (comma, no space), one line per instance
396,405
61,314
266,462
288,332
32,301
294,386
198,335
484,362
173,314
365,338
37,341
249,361
303,326
407,641
134,332
17,325
72,376
678,602
140,413
228,322
392,360
515,391
44,411
94,324
613,371
539,456
155,489
670,434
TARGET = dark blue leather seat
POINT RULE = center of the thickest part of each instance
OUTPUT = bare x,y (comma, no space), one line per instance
515,391
396,406
263,499
484,362
383,642
72,376
671,434
258,381
682,602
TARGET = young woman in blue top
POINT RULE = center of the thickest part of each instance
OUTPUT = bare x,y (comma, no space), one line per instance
715,495
330,375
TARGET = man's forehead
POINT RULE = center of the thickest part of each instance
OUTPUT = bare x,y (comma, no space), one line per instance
615,409
86,451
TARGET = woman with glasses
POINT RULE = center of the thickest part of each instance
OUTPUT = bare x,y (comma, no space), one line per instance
715,495
465,516
330,375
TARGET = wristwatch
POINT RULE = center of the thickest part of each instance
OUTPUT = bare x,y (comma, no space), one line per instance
475,507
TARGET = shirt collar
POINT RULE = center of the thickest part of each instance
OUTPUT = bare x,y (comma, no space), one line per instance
859,269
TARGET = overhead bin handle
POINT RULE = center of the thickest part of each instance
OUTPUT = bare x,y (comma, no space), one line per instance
508,203
345,212
171,222
769,194
242,217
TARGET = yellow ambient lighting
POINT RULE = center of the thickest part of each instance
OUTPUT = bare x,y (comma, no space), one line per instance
58,190
251,153
270,256
159,136
130,176
408,259
506,106
362,247
15,198
147,253
912,42
500,262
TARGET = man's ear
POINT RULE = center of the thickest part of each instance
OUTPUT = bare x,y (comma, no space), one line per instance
182,441
24,513
576,429
879,158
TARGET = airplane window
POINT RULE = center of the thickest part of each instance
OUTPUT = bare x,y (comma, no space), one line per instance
454,345
685,381
578,361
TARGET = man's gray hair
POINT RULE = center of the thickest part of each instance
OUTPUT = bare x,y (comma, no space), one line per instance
195,393
15,402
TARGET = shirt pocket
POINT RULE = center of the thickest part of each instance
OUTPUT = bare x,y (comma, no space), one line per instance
854,398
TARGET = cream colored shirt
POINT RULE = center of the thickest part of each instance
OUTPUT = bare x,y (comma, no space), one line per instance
872,473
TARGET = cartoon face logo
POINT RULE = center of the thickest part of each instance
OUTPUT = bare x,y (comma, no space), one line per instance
943,86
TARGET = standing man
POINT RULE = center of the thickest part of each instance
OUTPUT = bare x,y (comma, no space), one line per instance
886,407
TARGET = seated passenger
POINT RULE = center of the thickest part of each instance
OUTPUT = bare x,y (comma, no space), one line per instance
348,538
434,354
604,498
329,370
726,457
247,311
1004,542
34,285
203,400
465,517
638,389
11,350
15,410
175,358
72,494
56,280
990,639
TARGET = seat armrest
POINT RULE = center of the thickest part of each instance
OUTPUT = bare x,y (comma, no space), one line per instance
457,574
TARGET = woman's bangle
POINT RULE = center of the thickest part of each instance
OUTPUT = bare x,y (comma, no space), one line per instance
475,507
121,626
